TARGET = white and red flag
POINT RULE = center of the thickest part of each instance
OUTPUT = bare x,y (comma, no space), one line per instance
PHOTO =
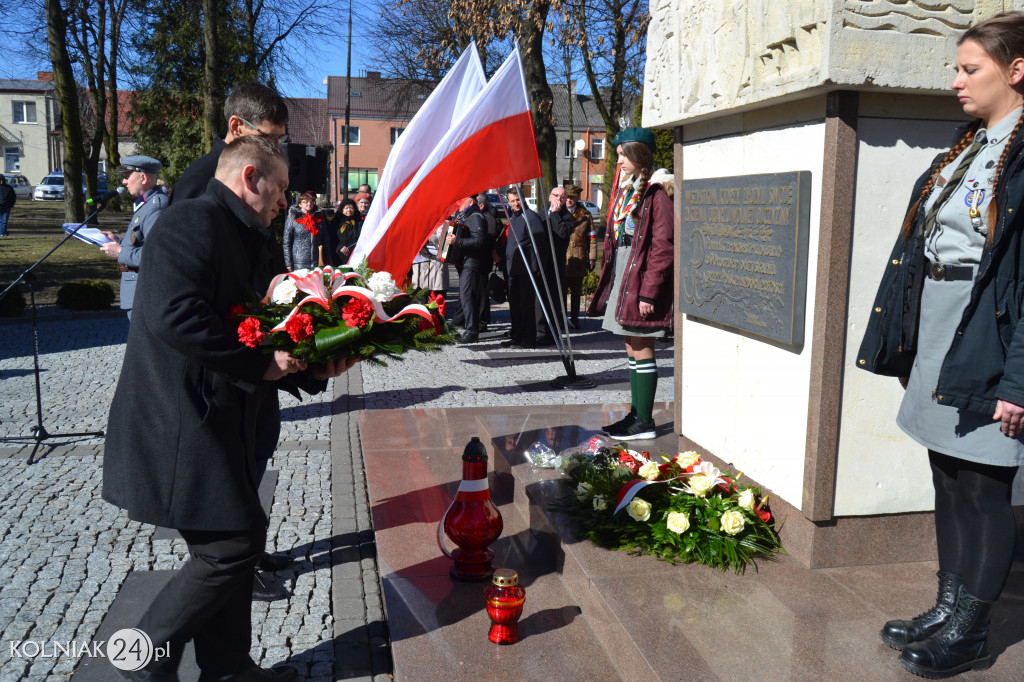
492,145
446,104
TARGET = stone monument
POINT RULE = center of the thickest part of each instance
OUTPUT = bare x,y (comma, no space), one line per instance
856,95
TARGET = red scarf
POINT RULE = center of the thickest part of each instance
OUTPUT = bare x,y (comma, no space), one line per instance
310,222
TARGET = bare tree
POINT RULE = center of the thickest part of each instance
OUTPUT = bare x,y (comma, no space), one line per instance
67,98
612,37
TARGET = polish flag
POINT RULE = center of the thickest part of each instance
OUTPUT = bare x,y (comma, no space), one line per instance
492,145
447,104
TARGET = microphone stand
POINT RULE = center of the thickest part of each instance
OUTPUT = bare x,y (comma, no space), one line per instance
39,433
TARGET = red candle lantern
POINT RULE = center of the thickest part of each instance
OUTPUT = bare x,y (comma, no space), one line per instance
505,599
472,521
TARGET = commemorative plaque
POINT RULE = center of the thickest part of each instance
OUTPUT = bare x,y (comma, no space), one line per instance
743,252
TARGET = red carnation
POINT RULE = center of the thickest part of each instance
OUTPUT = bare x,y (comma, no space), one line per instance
249,332
438,300
630,462
357,313
299,326
236,310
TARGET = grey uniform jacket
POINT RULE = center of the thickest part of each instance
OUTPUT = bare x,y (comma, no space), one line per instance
147,209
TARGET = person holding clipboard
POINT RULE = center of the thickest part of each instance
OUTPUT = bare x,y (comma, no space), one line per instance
140,179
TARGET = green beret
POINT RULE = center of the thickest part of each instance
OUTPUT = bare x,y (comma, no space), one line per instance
636,135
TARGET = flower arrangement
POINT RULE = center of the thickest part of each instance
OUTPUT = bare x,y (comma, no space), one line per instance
327,313
682,509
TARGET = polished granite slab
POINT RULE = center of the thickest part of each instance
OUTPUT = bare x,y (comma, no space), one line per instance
592,614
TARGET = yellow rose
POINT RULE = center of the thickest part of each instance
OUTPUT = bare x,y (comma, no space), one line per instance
649,471
639,509
685,459
600,502
702,484
678,522
746,499
583,491
732,522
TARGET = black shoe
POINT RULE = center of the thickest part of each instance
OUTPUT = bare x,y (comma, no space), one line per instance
469,337
483,327
960,645
574,324
546,340
515,343
615,427
265,589
275,562
899,633
638,430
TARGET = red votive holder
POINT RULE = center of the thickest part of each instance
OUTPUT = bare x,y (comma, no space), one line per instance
505,598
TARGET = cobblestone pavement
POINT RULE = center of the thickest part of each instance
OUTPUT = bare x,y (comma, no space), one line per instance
64,552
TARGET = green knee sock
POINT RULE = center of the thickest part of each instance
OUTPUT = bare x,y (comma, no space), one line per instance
632,385
644,389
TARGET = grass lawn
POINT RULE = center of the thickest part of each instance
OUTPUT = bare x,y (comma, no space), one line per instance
34,229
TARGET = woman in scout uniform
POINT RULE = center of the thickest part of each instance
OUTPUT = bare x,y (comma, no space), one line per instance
635,290
945,322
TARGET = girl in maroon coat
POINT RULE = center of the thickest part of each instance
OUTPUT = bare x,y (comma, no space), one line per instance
635,290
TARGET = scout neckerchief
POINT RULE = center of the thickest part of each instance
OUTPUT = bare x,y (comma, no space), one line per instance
623,207
953,183
310,222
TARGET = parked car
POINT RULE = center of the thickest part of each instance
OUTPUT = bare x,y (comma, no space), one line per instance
531,203
52,187
21,185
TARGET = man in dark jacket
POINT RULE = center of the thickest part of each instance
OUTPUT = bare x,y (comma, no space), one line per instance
561,224
251,109
523,260
198,394
470,240
7,201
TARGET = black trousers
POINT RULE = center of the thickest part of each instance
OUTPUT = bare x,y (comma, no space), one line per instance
574,287
209,601
521,307
472,292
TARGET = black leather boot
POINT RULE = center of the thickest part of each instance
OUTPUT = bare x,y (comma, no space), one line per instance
960,645
899,633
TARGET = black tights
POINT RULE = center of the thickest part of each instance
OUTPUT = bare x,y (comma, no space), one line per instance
974,524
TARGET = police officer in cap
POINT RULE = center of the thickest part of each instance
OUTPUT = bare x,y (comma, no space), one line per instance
140,178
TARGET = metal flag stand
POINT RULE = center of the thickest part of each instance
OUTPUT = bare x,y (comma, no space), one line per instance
571,380
39,433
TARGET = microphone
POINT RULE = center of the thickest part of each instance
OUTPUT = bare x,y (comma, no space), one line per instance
101,200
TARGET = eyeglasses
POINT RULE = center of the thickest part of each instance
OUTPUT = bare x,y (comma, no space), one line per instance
278,139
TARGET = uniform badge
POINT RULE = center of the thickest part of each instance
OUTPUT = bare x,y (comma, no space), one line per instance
974,198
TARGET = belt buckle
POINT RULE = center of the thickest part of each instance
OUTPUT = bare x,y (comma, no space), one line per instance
937,271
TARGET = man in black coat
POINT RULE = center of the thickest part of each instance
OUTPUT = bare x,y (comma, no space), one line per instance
189,458
560,223
470,240
524,256
251,109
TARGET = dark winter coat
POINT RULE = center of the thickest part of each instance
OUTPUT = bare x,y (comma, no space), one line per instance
649,271
536,258
7,197
985,360
472,246
188,456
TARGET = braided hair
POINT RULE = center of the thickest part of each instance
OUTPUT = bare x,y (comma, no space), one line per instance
641,156
958,148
